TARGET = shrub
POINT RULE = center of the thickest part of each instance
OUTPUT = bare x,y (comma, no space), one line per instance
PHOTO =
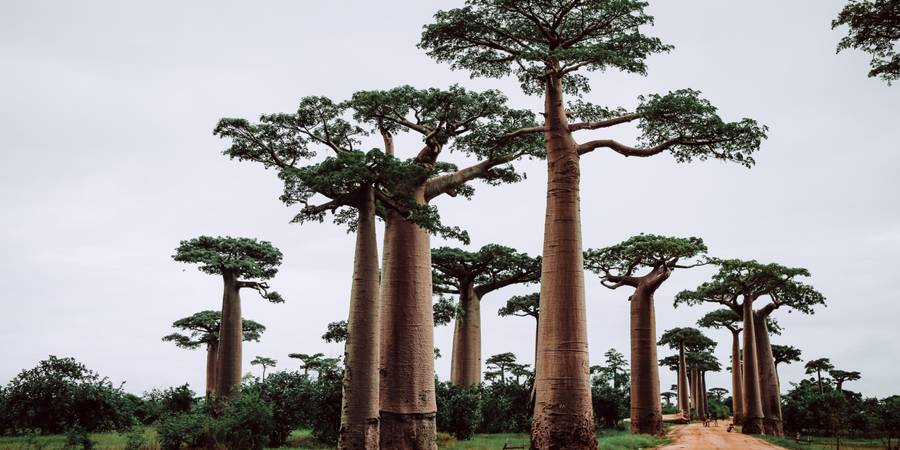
164,402
289,394
196,430
78,439
246,423
459,409
505,408
61,394
325,408
134,440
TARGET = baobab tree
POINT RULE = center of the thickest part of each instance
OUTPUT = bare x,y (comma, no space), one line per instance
684,340
544,45
481,126
356,187
784,354
842,376
873,27
667,396
501,363
471,276
699,363
617,266
748,281
242,263
524,306
204,329
308,361
817,366
264,362
731,321
718,393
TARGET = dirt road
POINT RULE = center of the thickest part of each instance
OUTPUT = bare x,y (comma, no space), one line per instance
697,437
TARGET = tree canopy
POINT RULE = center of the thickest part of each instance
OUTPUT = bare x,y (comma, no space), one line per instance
263,361
818,365
244,257
690,338
785,354
204,329
703,361
618,264
490,268
336,332
722,318
873,27
522,305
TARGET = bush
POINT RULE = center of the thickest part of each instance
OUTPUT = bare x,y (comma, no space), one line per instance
505,408
159,403
459,409
289,394
61,394
196,430
325,408
78,439
134,440
245,423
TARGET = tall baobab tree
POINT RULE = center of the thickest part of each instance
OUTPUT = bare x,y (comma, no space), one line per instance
502,364
842,376
699,363
471,276
355,186
718,393
731,321
685,340
242,263
737,285
667,396
264,362
618,266
481,126
204,329
873,27
524,306
817,366
545,45
784,354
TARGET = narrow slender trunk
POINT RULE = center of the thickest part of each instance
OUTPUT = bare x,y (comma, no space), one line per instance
359,408
684,401
264,373
737,392
696,404
212,349
753,412
768,379
819,376
407,394
465,362
704,396
646,413
228,360
563,417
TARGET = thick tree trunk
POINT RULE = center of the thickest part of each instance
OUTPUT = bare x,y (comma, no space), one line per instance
407,338
646,413
228,360
697,403
563,417
737,392
465,363
753,412
704,396
768,379
359,408
684,401
212,350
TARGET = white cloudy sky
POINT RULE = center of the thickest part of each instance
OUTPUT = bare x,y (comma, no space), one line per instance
108,160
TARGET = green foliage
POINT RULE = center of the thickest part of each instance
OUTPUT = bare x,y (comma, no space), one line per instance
325,407
459,409
159,403
495,38
702,360
642,251
842,376
193,430
500,364
135,439
874,27
522,305
691,338
444,310
722,318
243,257
818,365
336,332
290,396
263,361
246,423
718,409
204,329
506,407
490,268
78,439
611,390
785,354
61,394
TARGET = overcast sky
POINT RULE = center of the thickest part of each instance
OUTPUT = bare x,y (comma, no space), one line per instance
108,161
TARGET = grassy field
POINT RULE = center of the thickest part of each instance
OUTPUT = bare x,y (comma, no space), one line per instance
609,440
824,443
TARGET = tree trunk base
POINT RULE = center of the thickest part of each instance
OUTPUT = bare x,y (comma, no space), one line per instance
753,426
566,432
737,419
650,424
408,431
773,427
360,436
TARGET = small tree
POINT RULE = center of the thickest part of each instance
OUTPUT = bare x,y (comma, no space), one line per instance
685,340
471,276
524,306
203,328
500,364
817,366
718,393
242,263
874,27
842,376
307,361
617,266
731,321
785,354
264,362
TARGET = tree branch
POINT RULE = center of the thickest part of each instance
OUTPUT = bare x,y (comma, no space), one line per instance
626,150
605,123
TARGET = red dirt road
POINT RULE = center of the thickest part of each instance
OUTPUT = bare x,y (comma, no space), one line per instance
697,437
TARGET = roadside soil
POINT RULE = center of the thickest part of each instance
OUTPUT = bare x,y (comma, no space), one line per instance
695,436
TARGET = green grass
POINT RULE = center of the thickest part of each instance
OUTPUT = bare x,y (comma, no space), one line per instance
823,443
608,440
